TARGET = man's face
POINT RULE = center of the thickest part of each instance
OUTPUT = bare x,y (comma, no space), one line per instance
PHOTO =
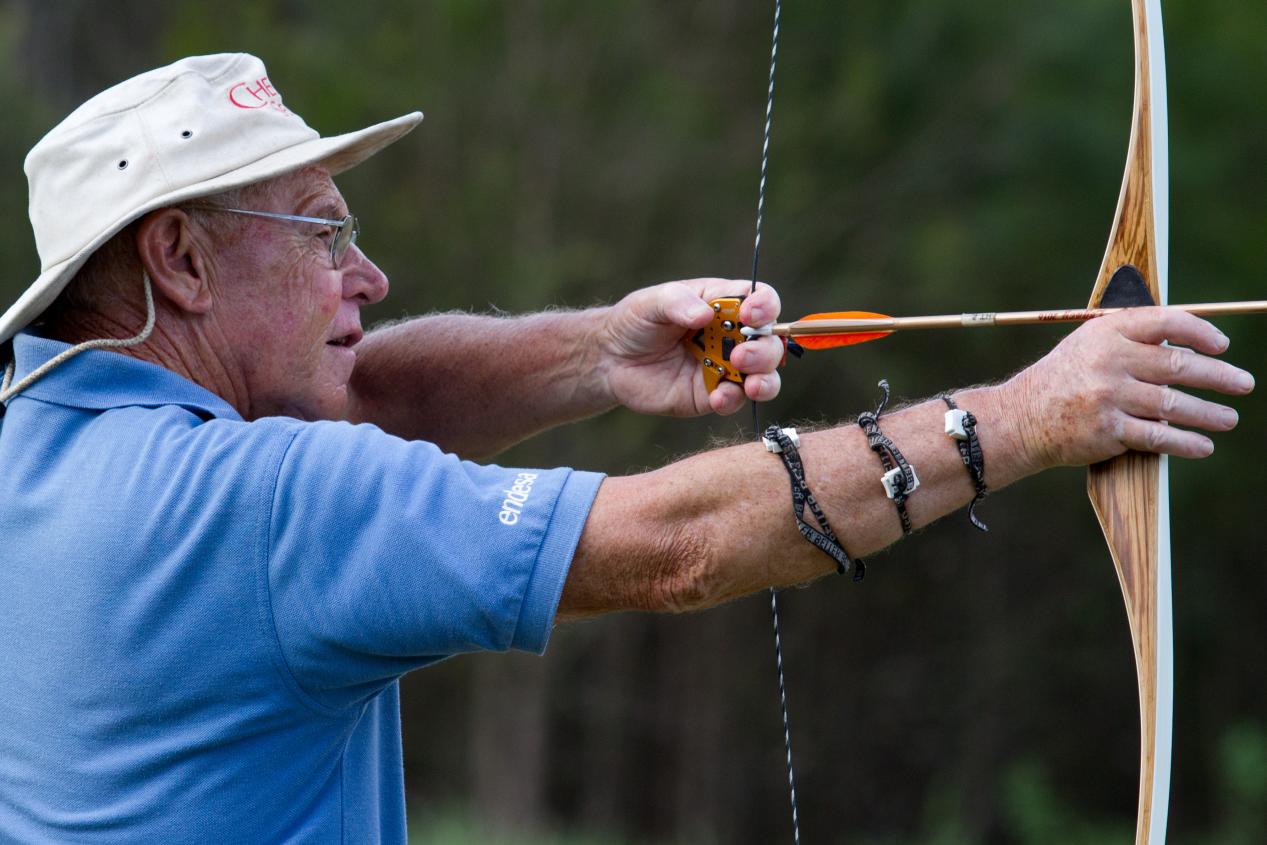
289,317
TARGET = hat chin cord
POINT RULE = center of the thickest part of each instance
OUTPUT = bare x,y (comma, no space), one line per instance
7,392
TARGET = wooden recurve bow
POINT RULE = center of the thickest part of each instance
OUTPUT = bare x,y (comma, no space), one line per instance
1130,493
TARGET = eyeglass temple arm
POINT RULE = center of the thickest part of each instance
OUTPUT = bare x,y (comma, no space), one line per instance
295,217
278,215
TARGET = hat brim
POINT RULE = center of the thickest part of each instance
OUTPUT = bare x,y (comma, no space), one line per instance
337,153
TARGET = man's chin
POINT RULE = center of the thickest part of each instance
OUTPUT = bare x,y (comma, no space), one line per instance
332,390
332,405
339,361
328,402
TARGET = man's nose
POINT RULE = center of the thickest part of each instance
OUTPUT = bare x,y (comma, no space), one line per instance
362,279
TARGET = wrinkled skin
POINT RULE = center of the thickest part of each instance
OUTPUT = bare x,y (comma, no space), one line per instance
1106,388
288,319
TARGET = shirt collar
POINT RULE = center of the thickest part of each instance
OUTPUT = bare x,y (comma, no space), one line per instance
98,379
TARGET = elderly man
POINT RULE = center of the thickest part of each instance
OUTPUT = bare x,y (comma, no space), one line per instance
218,569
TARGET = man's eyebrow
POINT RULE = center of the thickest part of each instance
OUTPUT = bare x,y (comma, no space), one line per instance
326,207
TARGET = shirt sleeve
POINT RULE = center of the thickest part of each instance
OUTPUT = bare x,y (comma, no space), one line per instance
386,554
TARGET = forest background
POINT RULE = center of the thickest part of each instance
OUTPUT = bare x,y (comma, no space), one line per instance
928,157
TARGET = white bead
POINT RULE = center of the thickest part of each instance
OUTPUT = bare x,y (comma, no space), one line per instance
954,424
773,446
890,481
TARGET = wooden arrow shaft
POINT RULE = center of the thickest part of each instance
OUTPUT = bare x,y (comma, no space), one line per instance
810,328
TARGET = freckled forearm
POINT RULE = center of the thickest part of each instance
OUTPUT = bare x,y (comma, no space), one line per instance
719,525
477,384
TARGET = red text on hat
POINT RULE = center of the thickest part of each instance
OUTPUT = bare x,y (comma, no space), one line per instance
256,95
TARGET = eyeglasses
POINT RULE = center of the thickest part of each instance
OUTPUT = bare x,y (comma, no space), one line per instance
345,234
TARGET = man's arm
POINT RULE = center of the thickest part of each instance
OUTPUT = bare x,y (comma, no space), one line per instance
719,525
475,385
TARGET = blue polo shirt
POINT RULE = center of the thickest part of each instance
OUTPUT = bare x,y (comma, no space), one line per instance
203,620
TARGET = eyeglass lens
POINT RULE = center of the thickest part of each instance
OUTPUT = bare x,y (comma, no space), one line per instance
343,239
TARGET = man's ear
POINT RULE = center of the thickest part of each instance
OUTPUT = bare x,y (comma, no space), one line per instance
175,259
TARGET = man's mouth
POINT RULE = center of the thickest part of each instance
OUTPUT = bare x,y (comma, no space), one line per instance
348,340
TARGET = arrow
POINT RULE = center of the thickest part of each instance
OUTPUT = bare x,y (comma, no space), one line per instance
713,344
825,331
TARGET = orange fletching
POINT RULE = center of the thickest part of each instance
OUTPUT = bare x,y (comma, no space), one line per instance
831,341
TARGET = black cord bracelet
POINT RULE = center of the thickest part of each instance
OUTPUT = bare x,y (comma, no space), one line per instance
962,427
779,441
899,478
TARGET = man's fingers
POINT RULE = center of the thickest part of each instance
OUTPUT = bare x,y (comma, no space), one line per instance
1176,365
761,307
684,303
1158,325
1149,436
730,397
1159,402
726,399
759,355
762,388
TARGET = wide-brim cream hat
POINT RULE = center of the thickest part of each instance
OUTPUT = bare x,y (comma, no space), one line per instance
202,125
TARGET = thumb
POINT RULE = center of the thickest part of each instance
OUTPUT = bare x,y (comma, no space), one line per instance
681,306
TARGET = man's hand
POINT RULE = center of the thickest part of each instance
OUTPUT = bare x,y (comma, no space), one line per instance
1106,388
647,366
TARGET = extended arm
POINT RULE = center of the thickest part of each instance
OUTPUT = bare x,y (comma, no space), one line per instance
477,384
718,525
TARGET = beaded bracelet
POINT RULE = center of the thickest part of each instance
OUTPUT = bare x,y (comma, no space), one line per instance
899,478
961,426
783,442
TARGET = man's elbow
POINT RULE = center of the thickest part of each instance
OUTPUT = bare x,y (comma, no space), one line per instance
689,574
644,550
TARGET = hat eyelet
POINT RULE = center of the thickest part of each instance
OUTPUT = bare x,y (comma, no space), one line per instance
187,134
123,164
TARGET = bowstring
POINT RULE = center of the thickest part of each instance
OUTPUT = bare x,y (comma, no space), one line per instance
756,427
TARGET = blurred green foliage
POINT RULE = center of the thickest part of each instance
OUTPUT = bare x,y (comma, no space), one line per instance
465,829
1034,812
928,157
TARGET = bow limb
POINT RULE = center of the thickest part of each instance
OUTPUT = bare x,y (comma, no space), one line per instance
1130,493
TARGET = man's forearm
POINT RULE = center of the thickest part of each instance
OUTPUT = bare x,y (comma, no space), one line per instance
719,525
476,384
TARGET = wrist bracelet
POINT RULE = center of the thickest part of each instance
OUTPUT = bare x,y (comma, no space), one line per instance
899,478
961,426
783,442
